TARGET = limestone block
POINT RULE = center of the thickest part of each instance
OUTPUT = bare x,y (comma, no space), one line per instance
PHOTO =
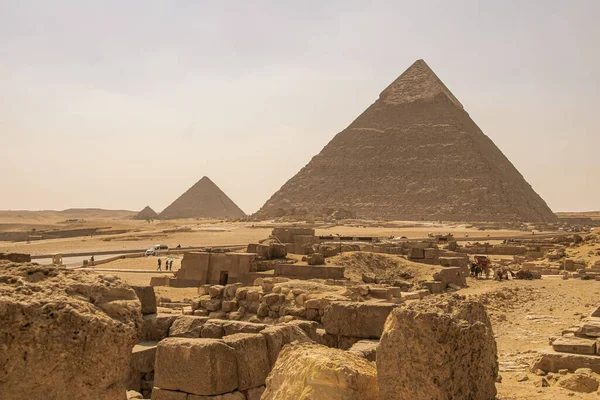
315,259
366,349
156,326
212,329
147,298
278,336
309,327
552,361
448,344
255,393
240,293
450,275
310,371
187,326
196,366
233,327
326,339
574,345
435,287
65,334
318,303
213,305
142,357
417,253
227,396
251,358
163,394
590,327
229,305
216,291
218,315
356,319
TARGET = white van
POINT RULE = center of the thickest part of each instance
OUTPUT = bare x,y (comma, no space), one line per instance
152,251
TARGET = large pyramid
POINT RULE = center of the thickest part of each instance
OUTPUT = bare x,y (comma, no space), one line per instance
203,200
415,154
146,213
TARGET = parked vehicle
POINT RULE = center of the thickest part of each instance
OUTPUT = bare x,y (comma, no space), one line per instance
152,251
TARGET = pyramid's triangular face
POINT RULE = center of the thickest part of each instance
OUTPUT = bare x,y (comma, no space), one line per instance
415,154
146,213
203,200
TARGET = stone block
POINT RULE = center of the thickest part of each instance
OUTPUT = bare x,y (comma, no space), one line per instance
380,292
233,327
142,357
574,345
227,396
309,371
160,280
553,361
365,349
356,319
229,305
187,326
417,253
255,393
278,336
315,259
216,291
164,394
435,287
147,298
155,327
212,329
309,327
197,366
590,327
439,348
251,358
450,275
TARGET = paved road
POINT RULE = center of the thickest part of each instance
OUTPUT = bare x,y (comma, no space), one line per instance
73,262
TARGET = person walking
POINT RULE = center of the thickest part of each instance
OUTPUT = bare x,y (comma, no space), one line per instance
159,262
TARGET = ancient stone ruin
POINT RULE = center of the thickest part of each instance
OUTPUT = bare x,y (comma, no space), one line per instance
146,213
415,154
203,200
65,334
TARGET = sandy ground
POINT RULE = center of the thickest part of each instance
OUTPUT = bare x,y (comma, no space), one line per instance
142,234
525,314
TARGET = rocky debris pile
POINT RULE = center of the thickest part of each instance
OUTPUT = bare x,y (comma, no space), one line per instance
279,300
505,299
581,380
310,371
578,347
68,333
440,348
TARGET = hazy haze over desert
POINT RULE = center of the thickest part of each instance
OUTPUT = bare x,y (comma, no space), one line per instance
123,104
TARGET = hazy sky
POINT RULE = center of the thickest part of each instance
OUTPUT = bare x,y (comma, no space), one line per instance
120,104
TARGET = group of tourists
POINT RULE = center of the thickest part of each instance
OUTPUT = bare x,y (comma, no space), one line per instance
168,264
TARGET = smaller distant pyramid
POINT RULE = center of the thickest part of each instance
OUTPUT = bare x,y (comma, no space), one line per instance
146,213
203,200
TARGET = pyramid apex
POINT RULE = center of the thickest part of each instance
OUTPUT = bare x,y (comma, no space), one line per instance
417,83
